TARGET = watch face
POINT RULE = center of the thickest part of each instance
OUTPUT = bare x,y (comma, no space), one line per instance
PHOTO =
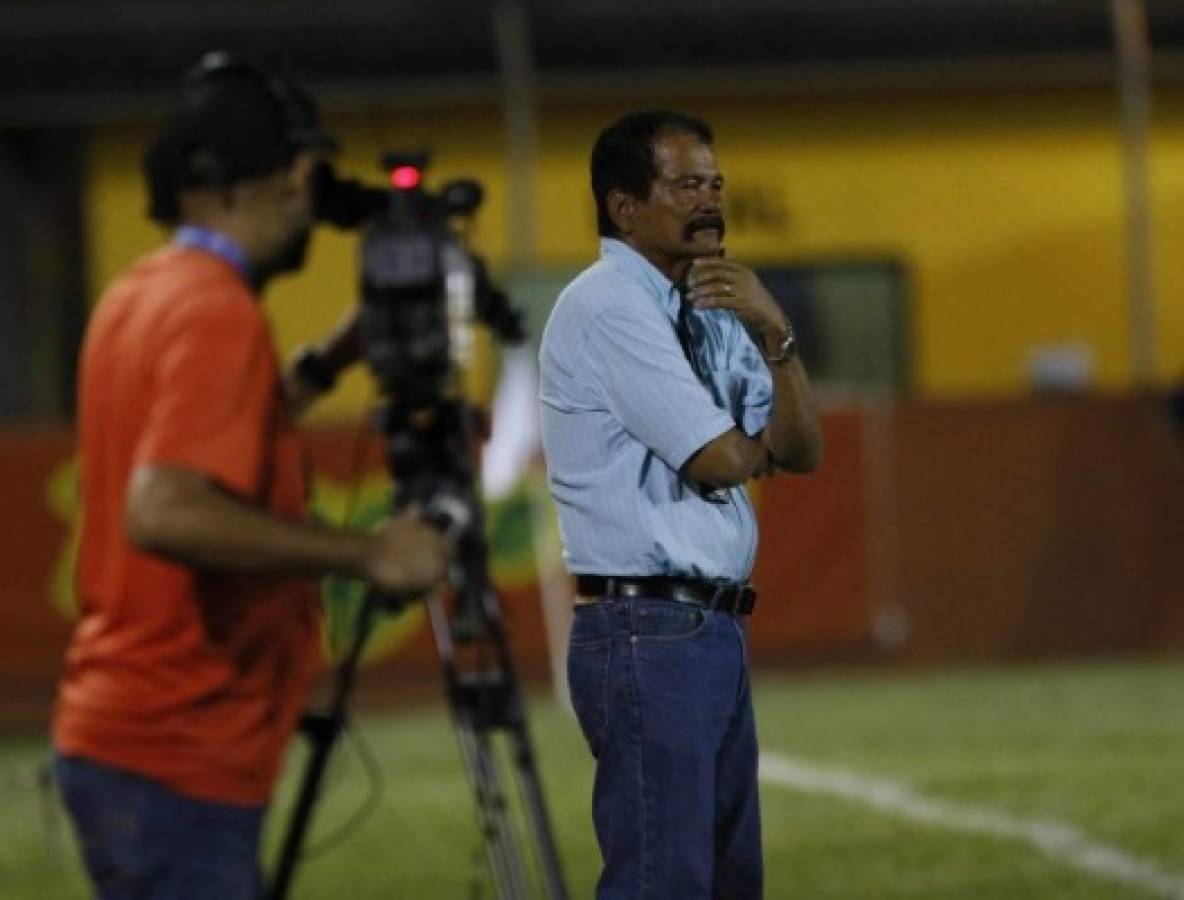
786,351
790,345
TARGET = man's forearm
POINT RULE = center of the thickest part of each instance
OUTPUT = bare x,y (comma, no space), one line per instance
793,436
180,516
792,439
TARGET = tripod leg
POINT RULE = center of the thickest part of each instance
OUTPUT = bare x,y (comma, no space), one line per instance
480,765
323,731
525,769
501,843
535,808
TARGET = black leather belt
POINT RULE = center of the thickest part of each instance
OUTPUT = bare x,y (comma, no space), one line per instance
731,598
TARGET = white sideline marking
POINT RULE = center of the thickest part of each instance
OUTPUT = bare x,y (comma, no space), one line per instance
1056,840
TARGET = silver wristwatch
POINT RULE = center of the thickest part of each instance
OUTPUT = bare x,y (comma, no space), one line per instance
788,348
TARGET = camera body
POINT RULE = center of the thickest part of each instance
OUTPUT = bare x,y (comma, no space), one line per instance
422,289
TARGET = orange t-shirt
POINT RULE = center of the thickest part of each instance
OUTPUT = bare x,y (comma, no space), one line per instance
195,679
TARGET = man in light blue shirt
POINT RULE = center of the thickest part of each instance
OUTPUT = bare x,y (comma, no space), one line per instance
669,377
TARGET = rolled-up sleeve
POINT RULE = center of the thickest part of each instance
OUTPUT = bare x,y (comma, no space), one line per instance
647,384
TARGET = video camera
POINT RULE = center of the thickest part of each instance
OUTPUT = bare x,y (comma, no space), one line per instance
422,289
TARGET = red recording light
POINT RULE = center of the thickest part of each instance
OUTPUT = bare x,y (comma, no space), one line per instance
406,177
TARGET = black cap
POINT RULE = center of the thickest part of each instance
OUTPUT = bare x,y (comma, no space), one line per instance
235,120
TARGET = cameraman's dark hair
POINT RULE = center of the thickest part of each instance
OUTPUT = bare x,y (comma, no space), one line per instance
623,157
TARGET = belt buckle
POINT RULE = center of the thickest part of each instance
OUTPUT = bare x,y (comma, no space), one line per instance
681,592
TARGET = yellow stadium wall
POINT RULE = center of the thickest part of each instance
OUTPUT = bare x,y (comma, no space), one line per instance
1006,208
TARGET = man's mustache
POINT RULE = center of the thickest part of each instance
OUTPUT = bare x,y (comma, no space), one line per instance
711,220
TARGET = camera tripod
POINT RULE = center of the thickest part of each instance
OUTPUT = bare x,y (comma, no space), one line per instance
435,446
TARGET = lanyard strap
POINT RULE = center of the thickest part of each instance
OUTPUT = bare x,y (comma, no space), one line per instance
212,242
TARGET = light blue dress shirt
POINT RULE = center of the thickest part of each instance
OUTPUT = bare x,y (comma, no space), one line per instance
622,411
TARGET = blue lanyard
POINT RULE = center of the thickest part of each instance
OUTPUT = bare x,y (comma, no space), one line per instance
215,243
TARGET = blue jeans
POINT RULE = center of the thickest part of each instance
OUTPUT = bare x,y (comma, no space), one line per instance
141,840
662,694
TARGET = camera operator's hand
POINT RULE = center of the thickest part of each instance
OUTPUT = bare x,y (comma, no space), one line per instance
315,369
407,556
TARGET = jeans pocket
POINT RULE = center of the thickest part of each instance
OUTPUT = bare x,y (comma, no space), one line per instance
669,620
587,679
592,624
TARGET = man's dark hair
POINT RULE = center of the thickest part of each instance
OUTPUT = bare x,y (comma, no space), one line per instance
623,157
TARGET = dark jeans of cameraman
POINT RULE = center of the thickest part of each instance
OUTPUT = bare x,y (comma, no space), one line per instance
662,694
141,840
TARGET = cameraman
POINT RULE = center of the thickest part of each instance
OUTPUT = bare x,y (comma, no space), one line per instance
199,628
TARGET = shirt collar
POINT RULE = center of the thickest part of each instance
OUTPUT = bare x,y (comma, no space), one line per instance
619,251
215,243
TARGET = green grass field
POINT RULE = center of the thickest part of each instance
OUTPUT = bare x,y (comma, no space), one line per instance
978,774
